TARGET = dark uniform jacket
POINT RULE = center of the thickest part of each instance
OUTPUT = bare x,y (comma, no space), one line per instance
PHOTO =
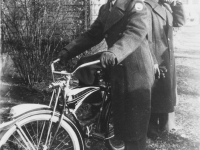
125,30
163,19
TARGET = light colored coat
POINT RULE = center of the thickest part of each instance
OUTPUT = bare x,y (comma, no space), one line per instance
163,19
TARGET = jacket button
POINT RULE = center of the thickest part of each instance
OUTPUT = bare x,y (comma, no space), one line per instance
168,39
121,64
106,36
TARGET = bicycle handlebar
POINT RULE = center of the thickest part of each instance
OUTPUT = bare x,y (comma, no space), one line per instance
66,73
86,64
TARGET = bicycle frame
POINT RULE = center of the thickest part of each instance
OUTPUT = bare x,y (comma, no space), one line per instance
69,95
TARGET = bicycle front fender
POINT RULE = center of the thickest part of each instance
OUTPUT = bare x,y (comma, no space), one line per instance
36,111
20,112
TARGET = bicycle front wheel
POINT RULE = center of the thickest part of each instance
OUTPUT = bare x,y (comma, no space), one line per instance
31,134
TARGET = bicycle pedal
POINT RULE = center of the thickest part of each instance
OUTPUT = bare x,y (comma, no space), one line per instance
111,134
98,135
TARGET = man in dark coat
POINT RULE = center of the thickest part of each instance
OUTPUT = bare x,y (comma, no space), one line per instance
125,29
165,14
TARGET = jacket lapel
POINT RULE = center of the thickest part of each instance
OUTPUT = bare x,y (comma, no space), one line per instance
160,11
157,8
169,15
116,13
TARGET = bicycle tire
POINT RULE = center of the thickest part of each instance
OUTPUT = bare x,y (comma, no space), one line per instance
67,137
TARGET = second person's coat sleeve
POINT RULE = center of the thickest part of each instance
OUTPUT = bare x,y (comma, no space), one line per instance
178,13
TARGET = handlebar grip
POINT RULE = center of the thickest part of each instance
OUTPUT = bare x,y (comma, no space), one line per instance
93,62
52,64
57,60
81,66
86,64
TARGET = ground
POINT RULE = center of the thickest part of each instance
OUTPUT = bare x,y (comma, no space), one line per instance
187,52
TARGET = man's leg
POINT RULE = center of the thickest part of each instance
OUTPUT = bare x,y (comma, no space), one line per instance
163,119
168,122
136,145
153,126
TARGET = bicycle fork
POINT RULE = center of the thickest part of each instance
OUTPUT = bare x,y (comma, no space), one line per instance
45,147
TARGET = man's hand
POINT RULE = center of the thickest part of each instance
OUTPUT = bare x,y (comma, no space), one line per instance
64,56
163,70
107,59
157,71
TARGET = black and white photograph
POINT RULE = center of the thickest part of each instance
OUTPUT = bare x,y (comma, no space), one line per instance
100,75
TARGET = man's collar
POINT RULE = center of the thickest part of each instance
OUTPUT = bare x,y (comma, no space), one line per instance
116,13
152,3
157,8
122,4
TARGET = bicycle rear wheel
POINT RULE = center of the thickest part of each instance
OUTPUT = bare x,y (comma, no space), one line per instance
31,134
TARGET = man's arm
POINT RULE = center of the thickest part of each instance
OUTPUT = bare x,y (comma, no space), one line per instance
150,30
136,31
87,40
156,66
178,14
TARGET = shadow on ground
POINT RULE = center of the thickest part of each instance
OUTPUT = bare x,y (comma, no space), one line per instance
172,141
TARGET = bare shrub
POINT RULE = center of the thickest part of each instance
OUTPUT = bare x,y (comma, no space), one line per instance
33,31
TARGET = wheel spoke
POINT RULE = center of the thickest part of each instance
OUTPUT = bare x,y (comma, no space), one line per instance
43,126
18,142
61,142
37,135
48,132
59,133
65,148
20,131
23,139
29,134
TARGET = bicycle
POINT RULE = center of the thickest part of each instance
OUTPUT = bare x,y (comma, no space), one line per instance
60,125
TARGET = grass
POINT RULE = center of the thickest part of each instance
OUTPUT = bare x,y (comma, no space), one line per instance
187,111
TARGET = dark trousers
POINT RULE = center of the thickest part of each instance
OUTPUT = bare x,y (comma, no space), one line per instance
158,120
136,145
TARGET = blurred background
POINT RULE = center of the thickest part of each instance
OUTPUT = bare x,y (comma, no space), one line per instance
192,10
